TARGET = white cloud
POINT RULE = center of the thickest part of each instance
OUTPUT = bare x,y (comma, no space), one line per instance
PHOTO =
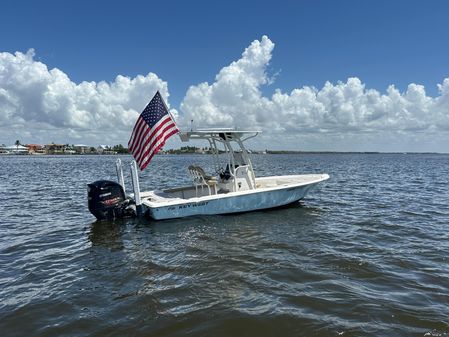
38,104
344,110
235,95
47,104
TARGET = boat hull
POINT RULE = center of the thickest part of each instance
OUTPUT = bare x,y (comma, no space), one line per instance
258,199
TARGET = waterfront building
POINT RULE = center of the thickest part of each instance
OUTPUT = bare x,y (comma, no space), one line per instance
35,149
17,149
54,148
81,148
3,149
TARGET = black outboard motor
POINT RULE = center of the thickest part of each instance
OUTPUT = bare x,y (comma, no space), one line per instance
107,200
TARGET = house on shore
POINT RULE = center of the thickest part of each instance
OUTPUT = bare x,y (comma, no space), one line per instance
3,149
17,149
35,149
54,148
82,149
104,149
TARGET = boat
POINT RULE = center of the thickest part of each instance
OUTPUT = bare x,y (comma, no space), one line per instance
233,188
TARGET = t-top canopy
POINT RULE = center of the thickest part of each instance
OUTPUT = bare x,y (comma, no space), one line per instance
220,134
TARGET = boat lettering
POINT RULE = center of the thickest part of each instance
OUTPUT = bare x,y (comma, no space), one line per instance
198,204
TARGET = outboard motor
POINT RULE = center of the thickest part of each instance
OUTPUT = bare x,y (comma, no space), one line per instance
106,200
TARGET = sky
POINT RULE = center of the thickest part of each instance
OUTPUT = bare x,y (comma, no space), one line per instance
311,75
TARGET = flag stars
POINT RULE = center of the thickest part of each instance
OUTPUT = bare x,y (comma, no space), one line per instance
146,141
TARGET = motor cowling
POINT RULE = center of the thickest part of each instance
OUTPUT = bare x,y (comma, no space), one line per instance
107,201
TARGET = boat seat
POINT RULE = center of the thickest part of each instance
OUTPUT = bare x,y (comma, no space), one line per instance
200,179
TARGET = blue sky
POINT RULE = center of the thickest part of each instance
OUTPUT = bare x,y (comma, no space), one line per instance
185,43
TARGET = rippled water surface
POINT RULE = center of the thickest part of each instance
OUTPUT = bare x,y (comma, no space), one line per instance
365,254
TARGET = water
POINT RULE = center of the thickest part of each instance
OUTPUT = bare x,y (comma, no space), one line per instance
366,254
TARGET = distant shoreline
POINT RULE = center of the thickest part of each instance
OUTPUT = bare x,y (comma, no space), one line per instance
348,152
270,152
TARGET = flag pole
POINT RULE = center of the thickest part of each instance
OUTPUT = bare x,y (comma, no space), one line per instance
168,110
136,188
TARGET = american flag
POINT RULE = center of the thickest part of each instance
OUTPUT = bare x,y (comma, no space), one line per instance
152,129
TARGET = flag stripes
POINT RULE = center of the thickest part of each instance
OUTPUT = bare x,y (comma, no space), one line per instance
153,127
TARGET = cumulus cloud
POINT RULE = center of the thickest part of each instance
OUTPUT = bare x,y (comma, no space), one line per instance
41,105
43,101
235,95
235,100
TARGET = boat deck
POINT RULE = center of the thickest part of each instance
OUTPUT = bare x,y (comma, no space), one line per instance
183,194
